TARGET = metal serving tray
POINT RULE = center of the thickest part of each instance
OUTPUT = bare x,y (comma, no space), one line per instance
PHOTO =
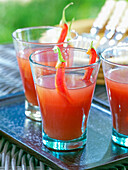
99,150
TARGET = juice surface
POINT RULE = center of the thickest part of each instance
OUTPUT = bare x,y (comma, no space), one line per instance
117,89
61,119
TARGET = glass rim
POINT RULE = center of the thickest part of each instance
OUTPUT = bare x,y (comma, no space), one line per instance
113,48
40,27
66,68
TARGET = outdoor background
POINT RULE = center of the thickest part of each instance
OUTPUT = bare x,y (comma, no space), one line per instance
25,13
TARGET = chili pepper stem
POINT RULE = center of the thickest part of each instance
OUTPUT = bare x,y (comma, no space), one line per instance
69,30
63,20
60,57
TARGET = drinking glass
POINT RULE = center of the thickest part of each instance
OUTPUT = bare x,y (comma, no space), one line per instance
26,41
64,114
115,68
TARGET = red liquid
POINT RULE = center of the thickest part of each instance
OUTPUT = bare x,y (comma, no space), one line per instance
117,89
26,74
63,120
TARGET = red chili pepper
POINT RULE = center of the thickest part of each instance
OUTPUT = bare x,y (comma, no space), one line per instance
64,33
60,66
60,83
64,26
92,60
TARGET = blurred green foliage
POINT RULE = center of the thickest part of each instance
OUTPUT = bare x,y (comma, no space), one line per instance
15,14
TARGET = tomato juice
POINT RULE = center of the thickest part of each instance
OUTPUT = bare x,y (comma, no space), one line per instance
26,76
117,89
63,120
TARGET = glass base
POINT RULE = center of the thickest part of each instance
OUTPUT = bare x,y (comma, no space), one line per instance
119,139
63,145
32,112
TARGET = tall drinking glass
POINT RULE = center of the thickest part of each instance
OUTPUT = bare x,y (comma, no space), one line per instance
64,110
26,41
115,68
